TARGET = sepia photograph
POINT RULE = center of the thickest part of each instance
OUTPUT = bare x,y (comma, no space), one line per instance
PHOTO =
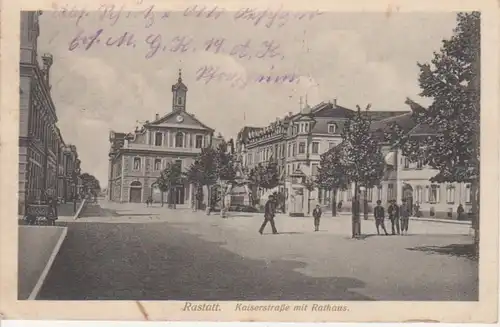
211,154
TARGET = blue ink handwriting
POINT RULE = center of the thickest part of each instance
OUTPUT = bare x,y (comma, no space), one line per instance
209,74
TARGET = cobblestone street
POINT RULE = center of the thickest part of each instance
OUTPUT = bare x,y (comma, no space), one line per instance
129,251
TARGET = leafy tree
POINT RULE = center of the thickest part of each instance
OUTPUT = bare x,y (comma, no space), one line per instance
202,173
90,184
452,81
265,176
168,179
310,185
362,161
331,174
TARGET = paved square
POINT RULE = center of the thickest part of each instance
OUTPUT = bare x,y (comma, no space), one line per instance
129,251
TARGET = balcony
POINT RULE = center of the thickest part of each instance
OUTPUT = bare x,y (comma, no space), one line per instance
150,147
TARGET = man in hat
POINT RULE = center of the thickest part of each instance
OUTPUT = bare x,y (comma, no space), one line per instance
379,214
269,213
393,212
405,217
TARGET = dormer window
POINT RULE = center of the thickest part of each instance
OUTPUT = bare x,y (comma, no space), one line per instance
332,128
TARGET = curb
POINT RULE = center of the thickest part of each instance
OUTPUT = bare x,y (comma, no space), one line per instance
45,272
77,214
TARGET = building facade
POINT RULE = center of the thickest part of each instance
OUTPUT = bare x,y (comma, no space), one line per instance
38,134
296,143
137,159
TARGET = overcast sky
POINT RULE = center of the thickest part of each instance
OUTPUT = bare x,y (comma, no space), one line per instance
357,58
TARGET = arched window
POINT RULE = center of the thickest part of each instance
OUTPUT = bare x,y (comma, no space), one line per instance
135,184
179,140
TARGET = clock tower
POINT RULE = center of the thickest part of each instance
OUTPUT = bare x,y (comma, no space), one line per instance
179,91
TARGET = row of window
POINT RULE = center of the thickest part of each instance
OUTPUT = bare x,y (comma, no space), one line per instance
305,127
157,164
408,165
179,140
267,153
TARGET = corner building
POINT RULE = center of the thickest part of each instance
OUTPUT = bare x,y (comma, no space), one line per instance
136,159
296,143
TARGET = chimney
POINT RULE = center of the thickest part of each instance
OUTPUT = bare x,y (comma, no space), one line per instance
48,60
334,102
157,116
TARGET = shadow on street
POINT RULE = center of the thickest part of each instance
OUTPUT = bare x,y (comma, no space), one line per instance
456,250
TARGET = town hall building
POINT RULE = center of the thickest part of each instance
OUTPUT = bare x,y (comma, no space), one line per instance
136,159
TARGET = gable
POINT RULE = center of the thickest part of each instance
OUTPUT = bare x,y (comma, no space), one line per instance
179,119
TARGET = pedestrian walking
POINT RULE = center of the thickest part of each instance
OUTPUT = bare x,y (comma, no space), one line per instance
393,212
269,213
379,214
460,212
339,206
317,216
405,217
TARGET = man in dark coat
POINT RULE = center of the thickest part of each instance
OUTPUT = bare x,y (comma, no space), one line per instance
269,213
379,214
393,212
317,216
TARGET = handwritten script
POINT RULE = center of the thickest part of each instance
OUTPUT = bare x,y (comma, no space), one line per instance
257,17
154,42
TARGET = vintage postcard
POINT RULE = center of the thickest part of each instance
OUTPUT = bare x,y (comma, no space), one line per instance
250,161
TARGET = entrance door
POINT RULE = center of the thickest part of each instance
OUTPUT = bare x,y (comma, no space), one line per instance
135,194
179,195
408,196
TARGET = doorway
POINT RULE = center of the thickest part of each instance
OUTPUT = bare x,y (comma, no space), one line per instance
408,196
135,192
179,194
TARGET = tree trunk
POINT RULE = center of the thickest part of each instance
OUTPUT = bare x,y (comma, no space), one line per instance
356,227
475,212
209,200
308,202
334,202
161,198
365,204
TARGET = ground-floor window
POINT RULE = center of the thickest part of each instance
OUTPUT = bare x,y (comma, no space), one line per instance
468,193
418,195
450,194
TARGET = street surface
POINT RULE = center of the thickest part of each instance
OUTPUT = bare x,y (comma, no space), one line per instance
131,252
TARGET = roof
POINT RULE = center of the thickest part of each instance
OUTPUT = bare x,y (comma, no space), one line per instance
405,121
172,113
245,131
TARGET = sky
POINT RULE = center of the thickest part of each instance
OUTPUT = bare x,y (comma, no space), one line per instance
99,86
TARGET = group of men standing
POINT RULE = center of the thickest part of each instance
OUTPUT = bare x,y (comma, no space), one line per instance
397,214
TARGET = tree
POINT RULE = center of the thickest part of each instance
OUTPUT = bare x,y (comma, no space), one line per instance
452,81
90,184
202,173
309,184
265,176
362,161
331,175
168,179
224,170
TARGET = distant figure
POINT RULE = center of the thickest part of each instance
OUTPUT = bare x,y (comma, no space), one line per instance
53,204
405,217
379,214
460,212
317,216
149,201
393,212
339,206
269,213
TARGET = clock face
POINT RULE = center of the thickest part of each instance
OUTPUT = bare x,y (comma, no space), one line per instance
180,119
